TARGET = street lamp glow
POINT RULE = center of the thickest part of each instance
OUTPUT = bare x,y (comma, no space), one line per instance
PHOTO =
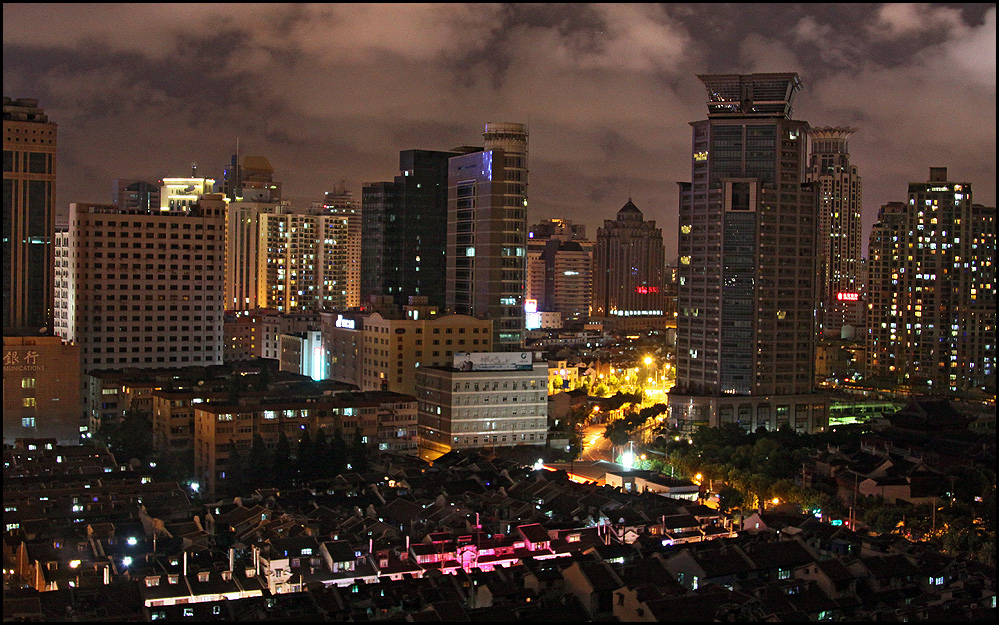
648,360
628,460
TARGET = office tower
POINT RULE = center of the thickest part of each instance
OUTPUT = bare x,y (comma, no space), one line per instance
932,302
341,202
840,311
487,233
560,269
492,399
379,238
29,174
629,266
136,195
748,251
145,291
405,230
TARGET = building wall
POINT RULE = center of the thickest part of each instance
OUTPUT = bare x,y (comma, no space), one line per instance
244,259
475,409
252,334
393,350
41,389
306,261
219,425
806,413
342,343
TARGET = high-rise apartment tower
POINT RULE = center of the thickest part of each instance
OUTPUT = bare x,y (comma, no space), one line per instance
932,291
144,291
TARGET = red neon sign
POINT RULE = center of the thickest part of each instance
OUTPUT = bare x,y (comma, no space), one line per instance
848,297
646,289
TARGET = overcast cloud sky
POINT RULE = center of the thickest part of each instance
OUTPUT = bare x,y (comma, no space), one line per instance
336,91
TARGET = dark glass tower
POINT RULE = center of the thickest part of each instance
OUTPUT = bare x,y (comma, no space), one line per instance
748,274
404,230
29,174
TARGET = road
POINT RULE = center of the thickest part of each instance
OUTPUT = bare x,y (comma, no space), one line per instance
595,446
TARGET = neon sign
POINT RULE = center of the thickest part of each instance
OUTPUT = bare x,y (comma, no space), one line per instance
344,323
848,297
646,289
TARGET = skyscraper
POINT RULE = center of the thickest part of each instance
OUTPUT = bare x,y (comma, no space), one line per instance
487,233
29,175
629,265
932,304
840,232
404,230
250,179
748,263
340,202
560,269
285,258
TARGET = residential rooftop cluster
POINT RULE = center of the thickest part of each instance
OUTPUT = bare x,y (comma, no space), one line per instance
464,538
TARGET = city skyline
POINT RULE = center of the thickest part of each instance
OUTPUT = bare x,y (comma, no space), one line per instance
607,92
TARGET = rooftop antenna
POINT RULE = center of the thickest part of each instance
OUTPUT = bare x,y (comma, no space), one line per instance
194,170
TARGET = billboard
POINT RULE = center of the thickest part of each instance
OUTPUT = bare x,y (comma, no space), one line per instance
493,361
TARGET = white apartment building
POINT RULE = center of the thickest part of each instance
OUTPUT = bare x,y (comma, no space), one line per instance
141,290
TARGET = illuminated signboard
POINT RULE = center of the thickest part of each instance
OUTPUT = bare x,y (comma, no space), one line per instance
532,321
646,289
848,297
493,361
344,323
530,305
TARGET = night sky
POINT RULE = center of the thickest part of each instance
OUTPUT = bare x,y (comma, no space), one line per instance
330,92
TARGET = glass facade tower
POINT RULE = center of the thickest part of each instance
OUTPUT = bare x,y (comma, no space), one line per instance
747,275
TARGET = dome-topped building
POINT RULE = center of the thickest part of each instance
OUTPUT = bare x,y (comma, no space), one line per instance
629,270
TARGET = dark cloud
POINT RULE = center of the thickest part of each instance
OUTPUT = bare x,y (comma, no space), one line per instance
335,91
